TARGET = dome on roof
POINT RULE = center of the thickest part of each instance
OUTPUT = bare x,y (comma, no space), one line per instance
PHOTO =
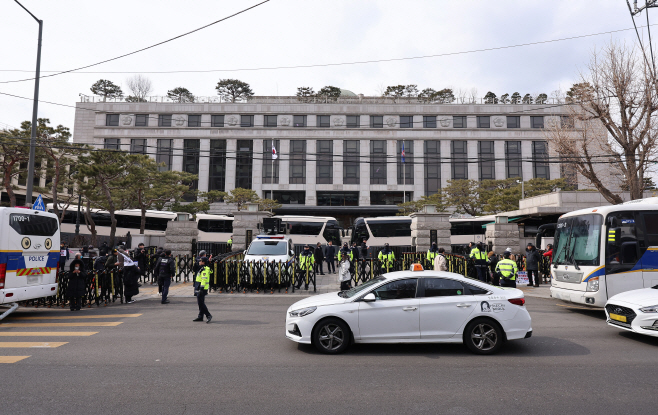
346,93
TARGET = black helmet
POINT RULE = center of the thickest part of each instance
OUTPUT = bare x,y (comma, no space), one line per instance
386,244
506,254
204,260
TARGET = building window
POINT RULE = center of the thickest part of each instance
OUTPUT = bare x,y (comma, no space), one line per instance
337,198
325,161
191,150
298,161
323,121
484,121
246,121
289,198
138,146
432,167
537,122
141,120
378,162
112,120
459,160
111,144
513,159
388,198
194,121
429,121
267,161
217,121
376,121
566,121
353,121
459,121
540,160
406,121
217,171
244,163
299,120
408,173
513,122
486,160
164,154
164,120
351,161
270,121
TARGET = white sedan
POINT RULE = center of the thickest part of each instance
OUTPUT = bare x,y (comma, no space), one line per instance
635,310
412,307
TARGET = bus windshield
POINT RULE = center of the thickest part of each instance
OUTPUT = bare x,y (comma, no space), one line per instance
577,240
34,225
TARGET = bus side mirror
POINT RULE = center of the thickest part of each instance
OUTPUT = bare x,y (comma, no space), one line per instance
292,253
342,232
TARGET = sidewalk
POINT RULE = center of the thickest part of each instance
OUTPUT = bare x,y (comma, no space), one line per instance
543,291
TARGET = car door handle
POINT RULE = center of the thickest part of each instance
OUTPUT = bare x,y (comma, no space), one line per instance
462,305
409,308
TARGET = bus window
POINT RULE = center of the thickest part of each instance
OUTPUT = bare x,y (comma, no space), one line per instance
305,228
577,239
621,252
332,232
213,225
33,224
360,232
651,226
387,229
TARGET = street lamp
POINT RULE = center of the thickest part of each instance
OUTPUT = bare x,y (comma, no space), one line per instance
35,107
522,188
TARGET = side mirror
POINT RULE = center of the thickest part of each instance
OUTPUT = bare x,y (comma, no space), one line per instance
368,298
292,253
244,252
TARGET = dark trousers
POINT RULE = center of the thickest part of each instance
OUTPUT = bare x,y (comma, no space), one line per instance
201,302
331,265
344,285
164,283
482,273
532,281
507,283
318,265
75,302
130,276
494,278
62,263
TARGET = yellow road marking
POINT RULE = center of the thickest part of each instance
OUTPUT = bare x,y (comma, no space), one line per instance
74,317
97,324
47,345
578,308
46,333
12,359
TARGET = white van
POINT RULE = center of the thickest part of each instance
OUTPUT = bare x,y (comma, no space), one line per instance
270,248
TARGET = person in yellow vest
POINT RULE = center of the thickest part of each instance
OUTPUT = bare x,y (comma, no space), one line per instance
432,253
479,256
345,251
229,243
306,259
201,287
507,269
386,257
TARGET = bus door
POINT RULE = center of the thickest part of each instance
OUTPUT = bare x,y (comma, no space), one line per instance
649,249
623,268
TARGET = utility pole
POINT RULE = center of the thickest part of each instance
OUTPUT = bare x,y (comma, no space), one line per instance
35,108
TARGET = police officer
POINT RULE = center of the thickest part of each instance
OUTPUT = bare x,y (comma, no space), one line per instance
354,250
202,285
229,243
165,269
432,253
345,252
480,257
507,269
306,259
386,257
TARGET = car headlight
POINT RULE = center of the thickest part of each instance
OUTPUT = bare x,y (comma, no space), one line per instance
651,309
593,284
302,312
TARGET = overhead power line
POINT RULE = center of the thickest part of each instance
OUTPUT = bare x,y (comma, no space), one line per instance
143,49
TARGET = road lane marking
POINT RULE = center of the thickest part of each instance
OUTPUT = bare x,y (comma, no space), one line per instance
97,324
46,333
73,317
45,345
12,359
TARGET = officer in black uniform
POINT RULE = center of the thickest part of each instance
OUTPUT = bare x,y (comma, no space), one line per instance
165,269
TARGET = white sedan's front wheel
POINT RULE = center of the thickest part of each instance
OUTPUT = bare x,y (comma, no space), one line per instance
331,336
483,336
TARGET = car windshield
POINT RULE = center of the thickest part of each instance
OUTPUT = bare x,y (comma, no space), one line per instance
578,238
264,248
359,288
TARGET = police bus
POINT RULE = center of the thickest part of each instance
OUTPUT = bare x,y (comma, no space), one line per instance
29,254
600,252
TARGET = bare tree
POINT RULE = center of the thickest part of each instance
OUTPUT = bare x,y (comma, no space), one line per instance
613,110
473,96
140,86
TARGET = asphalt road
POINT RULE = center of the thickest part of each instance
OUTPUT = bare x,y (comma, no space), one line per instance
160,362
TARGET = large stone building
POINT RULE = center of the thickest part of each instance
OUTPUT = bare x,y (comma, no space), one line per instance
341,157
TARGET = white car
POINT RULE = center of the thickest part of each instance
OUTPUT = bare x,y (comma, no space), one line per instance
412,307
270,248
635,310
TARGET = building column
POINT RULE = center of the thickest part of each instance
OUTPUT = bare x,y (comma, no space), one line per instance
419,167
446,166
364,172
526,154
231,163
152,147
338,162
177,158
204,164
499,164
472,154
392,163
554,167
284,163
257,168
311,174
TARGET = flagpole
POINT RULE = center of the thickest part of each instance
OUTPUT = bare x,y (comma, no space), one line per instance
272,181
404,177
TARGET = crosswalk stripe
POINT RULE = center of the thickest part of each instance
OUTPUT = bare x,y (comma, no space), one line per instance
46,345
12,359
46,333
73,317
96,324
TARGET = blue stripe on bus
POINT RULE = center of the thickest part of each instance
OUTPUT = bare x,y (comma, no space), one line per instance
649,261
596,273
15,260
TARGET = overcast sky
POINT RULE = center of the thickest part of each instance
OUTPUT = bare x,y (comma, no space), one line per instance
296,32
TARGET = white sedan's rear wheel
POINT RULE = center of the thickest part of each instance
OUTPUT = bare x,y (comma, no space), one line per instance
483,336
331,336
